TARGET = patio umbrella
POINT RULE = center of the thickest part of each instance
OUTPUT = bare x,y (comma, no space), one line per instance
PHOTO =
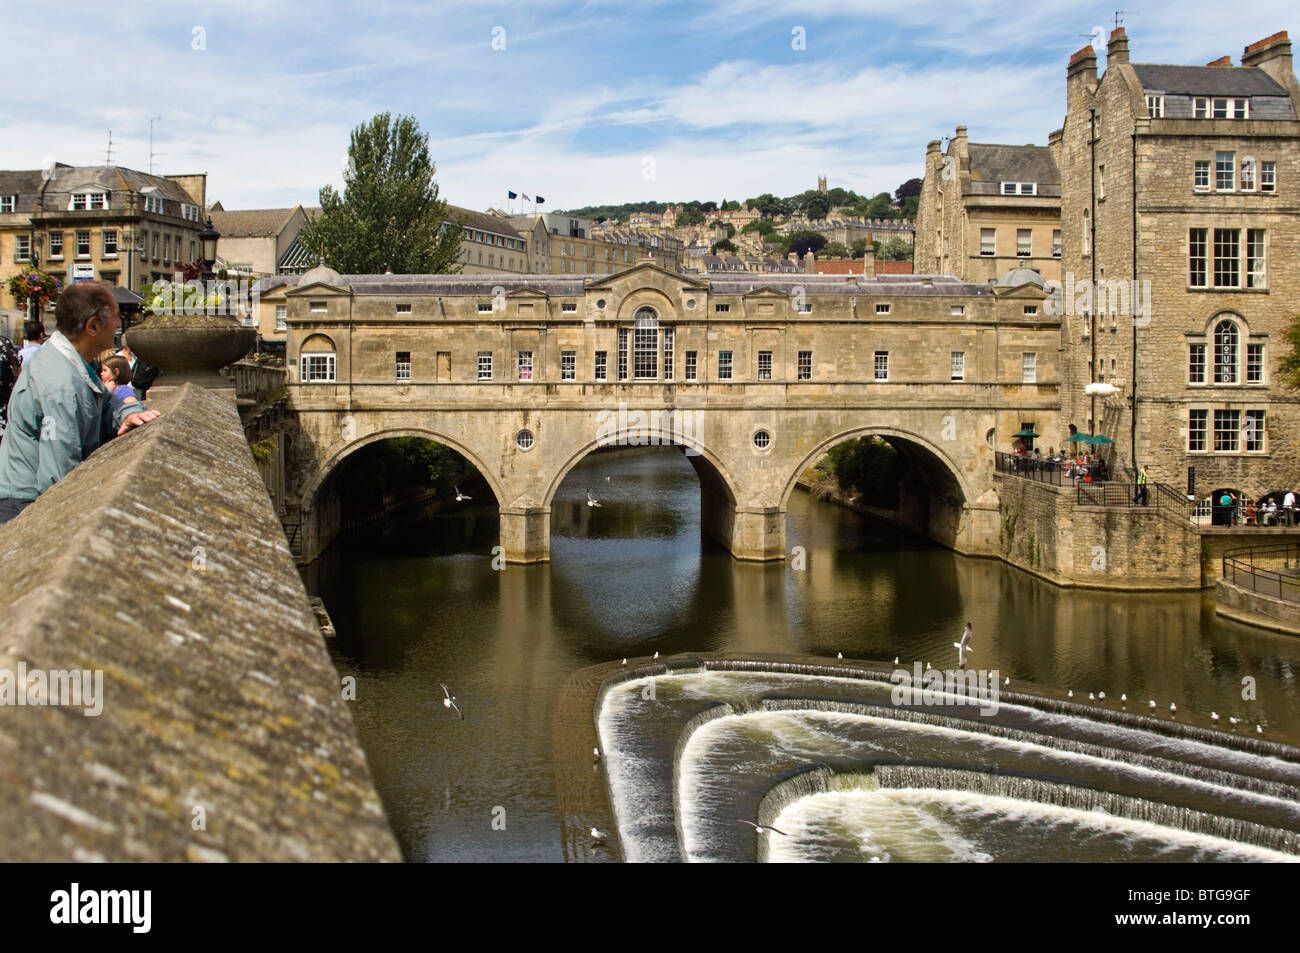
1099,439
1078,438
1025,433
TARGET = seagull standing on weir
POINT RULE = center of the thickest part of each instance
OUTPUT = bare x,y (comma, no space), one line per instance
598,837
591,500
963,646
461,497
762,828
450,701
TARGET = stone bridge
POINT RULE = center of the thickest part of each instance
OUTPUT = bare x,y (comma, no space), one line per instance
753,377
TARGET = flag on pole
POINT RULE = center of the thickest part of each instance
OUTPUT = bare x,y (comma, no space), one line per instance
526,198
511,195
539,200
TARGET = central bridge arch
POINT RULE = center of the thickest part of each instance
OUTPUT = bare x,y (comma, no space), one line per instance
933,490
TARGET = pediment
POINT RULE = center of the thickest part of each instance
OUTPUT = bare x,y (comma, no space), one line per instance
319,288
645,273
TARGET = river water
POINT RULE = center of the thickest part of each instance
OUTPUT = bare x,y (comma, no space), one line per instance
418,602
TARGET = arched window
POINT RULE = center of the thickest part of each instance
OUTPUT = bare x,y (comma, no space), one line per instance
317,360
1226,352
645,345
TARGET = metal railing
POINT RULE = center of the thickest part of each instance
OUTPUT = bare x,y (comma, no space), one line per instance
1170,500
1249,568
1041,470
1106,494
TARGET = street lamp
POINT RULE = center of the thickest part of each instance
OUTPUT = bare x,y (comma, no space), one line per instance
208,237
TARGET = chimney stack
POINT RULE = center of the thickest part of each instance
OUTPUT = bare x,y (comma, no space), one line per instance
1273,55
1117,48
1081,74
1221,61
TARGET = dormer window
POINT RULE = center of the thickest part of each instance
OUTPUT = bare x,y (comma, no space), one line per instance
1019,188
188,212
8,203
153,203
1206,107
84,201
1155,107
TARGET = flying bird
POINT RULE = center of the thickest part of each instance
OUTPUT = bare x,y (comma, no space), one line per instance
461,496
963,647
591,500
762,828
450,701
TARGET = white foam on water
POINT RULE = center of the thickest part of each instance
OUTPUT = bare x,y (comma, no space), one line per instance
923,824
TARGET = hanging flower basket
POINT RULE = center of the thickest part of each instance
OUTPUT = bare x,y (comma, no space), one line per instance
33,285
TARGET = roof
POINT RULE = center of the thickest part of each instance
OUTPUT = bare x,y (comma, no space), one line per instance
996,163
251,223
484,222
24,184
719,283
295,258
1207,80
893,267
1019,276
853,267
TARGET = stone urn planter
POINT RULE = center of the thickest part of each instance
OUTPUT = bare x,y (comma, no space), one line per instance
191,347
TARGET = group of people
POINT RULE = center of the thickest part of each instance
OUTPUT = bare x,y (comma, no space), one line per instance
1231,509
1086,467
66,395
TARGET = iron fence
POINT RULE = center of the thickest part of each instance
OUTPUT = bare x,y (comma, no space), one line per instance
1244,567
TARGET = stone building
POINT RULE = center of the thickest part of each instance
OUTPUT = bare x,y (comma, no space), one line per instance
494,244
988,208
1181,187
108,223
261,241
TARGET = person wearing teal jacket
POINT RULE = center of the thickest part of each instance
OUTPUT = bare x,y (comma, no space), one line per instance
60,411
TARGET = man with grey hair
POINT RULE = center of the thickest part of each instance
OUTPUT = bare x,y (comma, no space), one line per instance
61,411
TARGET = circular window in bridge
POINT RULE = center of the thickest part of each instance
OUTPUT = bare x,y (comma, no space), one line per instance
762,439
524,440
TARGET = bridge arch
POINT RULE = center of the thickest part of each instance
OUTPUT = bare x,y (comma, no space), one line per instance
709,466
345,449
884,432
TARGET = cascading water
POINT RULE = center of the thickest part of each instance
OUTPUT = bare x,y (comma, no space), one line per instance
779,743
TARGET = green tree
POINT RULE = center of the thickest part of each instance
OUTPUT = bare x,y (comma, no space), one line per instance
389,216
801,243
870,466
1290,366
895,249
763,226
725,245
909,189
816,205
860,248
730,206
835,250
689,216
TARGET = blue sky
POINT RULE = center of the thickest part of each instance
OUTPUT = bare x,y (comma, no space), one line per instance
598,102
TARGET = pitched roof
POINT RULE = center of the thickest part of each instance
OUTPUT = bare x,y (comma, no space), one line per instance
996,163
251,223
1208,80
24,184
484,222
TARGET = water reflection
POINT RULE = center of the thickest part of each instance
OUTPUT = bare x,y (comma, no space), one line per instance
418,602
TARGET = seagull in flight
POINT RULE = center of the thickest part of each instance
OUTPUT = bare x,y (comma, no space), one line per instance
591,500
762,828
963,647
461,497
450,701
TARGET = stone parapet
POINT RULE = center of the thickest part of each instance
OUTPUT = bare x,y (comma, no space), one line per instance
211,727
